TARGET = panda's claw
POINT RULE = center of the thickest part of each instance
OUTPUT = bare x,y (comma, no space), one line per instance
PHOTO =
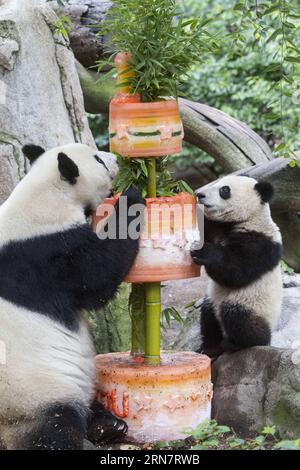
105,427
108,431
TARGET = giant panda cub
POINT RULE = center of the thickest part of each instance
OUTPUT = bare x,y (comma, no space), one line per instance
52,266
241,255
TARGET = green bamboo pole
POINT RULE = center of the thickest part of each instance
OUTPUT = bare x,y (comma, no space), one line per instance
137,314
151,167
152,292
152,310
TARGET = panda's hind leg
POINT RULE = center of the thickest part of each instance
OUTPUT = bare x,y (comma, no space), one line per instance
243,328
210,330
61,426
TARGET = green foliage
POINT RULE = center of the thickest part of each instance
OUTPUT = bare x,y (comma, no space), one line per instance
133,172
277,24
286,268
236,442
169,314
288,445
99,126
168,445
209,435
163,44
269,431
63,26
254,75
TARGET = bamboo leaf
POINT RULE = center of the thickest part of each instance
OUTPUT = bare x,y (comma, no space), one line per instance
292,59
274,35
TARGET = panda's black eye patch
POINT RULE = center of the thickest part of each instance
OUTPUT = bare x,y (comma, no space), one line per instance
99,160
224,192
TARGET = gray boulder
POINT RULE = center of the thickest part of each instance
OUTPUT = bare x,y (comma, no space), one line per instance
257,387
287,334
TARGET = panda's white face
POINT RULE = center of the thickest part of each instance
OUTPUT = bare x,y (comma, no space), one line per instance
54,195
231,199
79,171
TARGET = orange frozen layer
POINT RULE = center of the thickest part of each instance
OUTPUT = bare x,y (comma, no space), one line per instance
175,366
145,129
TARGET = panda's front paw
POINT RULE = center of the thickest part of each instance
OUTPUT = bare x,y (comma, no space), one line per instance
195,249
202,255
105,427
133,196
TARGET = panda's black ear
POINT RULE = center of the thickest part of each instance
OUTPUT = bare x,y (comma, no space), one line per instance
68,169
265,190
32,152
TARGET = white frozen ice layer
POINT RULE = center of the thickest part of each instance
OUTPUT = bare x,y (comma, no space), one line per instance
174,250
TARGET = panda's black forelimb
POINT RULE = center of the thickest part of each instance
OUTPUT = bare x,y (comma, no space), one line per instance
104,263
244,258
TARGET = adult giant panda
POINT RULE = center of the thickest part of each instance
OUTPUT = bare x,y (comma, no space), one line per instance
51,267
241,255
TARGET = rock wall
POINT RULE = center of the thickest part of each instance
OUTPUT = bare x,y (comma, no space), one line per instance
40,95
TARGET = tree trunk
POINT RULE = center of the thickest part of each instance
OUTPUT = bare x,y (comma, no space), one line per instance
40,95
231,142
86,17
